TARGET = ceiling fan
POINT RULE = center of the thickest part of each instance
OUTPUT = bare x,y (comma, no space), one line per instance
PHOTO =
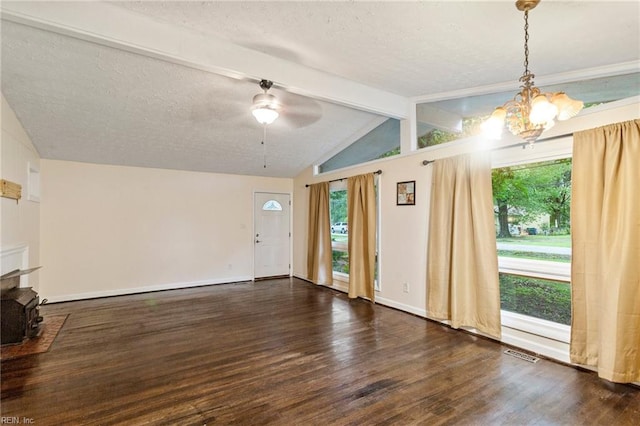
289,109
234,100
296,111
265,110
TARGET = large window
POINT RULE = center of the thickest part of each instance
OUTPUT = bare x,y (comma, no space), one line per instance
448,120
533,231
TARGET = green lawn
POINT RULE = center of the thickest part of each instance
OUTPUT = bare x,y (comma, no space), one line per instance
539,240
546,299
565,258
341,262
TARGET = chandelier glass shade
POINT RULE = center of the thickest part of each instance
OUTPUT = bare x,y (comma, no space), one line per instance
265,106
531,111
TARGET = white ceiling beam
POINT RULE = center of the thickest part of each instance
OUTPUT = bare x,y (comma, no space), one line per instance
116,27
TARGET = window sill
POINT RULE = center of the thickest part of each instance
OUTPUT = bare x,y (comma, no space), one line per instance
536,326
340,276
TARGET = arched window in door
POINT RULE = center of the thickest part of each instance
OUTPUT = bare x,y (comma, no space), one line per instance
272,205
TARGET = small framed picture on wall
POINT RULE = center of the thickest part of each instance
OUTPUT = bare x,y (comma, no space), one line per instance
406,195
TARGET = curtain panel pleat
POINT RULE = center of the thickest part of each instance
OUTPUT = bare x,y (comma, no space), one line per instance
462,260
319,252
605,234
361,212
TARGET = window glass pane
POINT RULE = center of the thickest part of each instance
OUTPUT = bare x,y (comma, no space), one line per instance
531,204
533,229
545,299
339,230
340,261
431,135
451,119
272,205
383,141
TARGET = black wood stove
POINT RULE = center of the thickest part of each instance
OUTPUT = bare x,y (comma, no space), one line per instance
20,310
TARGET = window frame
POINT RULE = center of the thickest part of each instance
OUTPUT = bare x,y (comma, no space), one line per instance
334,186
560,148
340,185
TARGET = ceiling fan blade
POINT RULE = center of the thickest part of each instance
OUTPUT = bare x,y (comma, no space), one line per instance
298,111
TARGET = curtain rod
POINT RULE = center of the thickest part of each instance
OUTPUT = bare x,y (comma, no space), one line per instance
377,172
524,145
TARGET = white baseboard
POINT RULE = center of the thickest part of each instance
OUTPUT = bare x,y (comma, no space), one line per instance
343,287
145,289
402,307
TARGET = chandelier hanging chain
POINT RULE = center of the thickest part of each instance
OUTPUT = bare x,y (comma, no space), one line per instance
526,42
528,76
264,146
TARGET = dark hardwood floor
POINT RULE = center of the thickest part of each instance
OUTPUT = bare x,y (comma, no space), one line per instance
287,352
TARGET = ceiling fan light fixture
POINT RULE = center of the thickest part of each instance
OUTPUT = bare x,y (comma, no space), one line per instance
265,106
530,112
265,115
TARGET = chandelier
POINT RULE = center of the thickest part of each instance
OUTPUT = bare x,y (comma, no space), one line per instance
265,106
530,112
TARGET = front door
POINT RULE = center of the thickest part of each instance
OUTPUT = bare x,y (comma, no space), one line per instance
272,240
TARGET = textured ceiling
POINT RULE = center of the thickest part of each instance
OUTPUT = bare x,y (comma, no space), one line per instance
85,102
107,100
419,48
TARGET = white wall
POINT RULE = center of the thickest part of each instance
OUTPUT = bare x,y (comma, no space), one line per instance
110,230
20,222
404,229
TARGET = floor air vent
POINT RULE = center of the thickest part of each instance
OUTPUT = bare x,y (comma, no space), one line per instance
522,355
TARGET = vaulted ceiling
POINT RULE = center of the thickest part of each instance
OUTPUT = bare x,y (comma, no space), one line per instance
170,84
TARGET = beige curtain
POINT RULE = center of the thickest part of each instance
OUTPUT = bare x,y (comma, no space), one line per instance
605,268
319,254
462,274
361,212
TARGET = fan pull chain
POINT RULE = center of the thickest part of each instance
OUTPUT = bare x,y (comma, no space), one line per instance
264,146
